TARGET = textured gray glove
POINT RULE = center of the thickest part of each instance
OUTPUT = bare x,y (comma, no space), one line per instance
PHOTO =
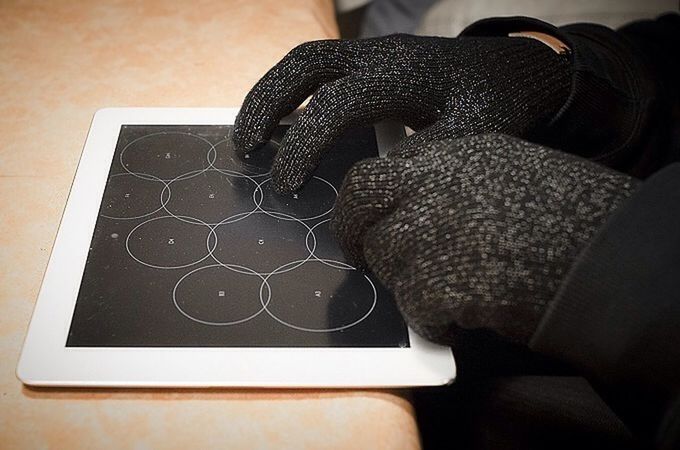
443,87
474,233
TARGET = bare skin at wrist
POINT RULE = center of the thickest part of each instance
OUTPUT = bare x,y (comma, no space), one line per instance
551,41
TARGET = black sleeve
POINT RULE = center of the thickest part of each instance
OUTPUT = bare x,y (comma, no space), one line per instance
623,107
617,314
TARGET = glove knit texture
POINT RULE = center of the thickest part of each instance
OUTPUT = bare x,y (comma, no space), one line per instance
477,232
442,87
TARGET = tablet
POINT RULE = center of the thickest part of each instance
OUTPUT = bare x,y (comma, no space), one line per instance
176,264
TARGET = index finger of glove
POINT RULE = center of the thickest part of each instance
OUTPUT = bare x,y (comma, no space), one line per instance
335,108
284,88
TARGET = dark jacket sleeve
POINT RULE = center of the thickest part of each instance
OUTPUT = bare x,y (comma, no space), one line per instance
622,110
617,314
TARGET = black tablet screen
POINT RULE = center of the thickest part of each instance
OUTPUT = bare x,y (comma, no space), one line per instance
193,248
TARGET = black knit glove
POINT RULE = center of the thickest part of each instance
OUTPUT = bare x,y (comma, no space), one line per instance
444,87
474,233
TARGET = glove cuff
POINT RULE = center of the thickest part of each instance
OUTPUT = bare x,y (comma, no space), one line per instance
610,86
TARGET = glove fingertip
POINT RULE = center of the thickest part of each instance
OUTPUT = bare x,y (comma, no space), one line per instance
353,253
284,187
246,138
241,149
286,181
367,195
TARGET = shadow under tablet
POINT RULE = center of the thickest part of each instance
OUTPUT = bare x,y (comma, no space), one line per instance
192,247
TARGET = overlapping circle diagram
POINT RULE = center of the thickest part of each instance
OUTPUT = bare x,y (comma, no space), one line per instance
236,245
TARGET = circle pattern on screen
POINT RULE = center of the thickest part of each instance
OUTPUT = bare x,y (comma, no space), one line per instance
234,242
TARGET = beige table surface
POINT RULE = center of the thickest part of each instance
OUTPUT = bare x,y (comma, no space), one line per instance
60,61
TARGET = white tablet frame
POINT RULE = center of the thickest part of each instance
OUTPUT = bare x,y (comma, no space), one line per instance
46,361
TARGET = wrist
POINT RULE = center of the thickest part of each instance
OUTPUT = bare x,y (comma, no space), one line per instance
554,43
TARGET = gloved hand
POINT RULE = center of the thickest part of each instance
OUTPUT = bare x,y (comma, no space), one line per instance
443,87
474,233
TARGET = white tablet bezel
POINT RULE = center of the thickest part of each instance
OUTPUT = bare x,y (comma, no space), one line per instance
46,361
